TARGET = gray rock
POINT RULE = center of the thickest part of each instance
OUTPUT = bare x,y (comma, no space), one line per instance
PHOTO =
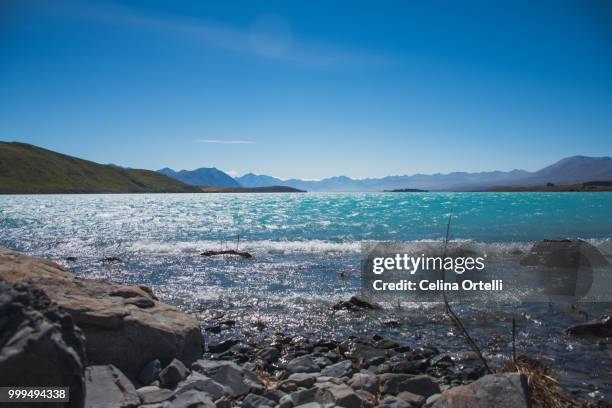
190,399
361,354
367,382
124,325
392,402
310,405
303,364
257,401
200,382
302,380
223,402
174,373
150,372
423,385
432,400
417,384
299,397
39,343
341,369
236,380
107,387
343,396
269,354
152,394
494,390
414,399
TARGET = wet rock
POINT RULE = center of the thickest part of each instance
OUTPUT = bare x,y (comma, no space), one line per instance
200,382
111,259
386,344
494,390
173,373
341,369
107,387
152,394
222,346
564,253
257,401
595,328
356,303
150,372
39,343
236,380
109,314
303,364
367,382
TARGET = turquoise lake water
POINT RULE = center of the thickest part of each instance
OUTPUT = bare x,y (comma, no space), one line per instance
301,242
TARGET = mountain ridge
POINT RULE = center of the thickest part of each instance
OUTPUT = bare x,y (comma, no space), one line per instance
202,176
569,170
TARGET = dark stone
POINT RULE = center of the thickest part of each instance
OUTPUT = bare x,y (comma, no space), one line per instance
356,303
174,373
596,328
39,343
222,346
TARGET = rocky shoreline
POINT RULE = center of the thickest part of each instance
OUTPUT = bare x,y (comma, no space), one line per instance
118,346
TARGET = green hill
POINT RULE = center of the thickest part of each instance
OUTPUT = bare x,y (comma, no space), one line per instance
28,169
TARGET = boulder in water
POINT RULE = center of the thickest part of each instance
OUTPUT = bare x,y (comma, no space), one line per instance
596,328
564,253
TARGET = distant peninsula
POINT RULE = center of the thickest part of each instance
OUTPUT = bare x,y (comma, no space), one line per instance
271,189
405,190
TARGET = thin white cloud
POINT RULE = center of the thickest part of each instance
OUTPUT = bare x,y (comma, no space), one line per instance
219,141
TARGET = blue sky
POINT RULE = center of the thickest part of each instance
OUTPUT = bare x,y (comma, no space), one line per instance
309,89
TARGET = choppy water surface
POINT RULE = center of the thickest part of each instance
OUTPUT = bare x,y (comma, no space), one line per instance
301,242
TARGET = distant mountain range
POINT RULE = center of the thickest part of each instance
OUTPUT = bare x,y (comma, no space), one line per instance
204,176
30,169
575,169
27,169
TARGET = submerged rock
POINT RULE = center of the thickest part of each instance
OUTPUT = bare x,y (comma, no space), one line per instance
356,303
564,253
124,325
39,344
596,328
491,391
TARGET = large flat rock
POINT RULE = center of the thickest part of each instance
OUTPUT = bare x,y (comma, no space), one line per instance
123,325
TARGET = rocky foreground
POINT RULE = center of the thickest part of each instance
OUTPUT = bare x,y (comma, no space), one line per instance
118,346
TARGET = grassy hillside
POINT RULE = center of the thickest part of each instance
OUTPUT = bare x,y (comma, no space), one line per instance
29,169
